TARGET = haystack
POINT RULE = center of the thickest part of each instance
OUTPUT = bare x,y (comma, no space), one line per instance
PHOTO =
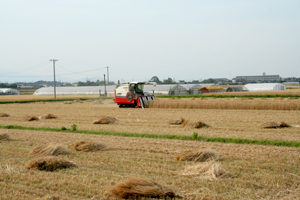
49,163
48,116
269,125
283,125
210,169
78,101
4,115
197,124
49,150
30,118
52,198
185,123
176,122
197,156
105,120
88,146
136,188
4,137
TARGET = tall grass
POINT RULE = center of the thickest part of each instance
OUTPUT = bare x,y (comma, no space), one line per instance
234,104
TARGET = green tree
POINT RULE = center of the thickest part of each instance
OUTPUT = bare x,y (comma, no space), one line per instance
168,81
155,79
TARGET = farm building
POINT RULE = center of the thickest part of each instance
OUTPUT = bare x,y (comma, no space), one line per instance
290,83
212,89
236,89
265,87
9,91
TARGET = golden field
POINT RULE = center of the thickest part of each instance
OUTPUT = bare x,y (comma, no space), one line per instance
260,172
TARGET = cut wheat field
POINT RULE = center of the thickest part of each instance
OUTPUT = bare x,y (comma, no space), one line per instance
222,122
257,172
253,171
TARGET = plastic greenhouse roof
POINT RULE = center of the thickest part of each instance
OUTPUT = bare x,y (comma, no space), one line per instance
80,90
9,91
94,90
265,87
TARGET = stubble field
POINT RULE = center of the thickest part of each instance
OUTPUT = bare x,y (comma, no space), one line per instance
259,172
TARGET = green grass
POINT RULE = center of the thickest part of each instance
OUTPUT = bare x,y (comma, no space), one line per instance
233,96
50,100
177,137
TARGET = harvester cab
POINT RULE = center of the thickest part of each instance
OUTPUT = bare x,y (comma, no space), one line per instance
132,95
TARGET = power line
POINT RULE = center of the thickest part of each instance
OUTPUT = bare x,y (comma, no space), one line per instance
60,74
36,66
79,72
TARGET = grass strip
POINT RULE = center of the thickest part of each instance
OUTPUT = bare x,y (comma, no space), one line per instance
172,137
233,96
50,100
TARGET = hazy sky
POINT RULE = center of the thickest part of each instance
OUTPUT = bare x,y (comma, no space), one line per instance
138,39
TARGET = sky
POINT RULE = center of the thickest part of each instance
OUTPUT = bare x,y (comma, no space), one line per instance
138,39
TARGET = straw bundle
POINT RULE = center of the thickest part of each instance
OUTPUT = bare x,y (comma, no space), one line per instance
30,118
48,116
269,125
50,163
197,156
135,188
177,122
207,170
105,120
283,125
49,150
89,146
4,137
198,124
4,115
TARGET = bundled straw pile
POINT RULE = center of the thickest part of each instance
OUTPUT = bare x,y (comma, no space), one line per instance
105,120
177,122
196,124
49,150
210,169
274,125
4,137
283,124
50,163
30,118
197,156
88,146
135,188
4,115
48,116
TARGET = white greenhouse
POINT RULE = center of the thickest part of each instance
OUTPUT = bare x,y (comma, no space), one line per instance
9,91
81,90
165,89
265,87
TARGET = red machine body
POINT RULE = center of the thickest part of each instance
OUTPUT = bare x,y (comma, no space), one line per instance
132,95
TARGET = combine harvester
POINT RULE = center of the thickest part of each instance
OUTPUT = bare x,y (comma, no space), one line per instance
132,95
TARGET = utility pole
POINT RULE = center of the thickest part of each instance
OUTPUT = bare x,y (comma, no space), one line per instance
107,75
54,84
104,86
